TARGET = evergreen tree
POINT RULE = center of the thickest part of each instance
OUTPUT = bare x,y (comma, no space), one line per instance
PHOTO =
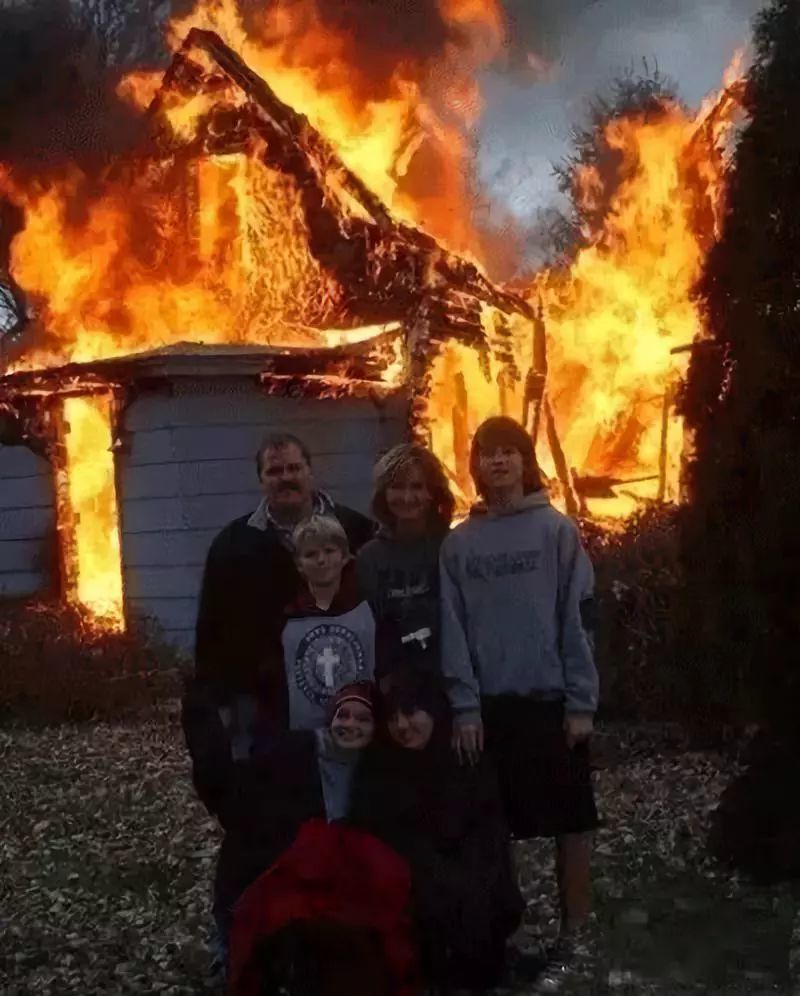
649,95
741,529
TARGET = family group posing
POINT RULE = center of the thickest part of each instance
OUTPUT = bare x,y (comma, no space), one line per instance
377,714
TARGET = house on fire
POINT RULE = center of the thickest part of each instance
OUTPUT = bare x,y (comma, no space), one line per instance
186,418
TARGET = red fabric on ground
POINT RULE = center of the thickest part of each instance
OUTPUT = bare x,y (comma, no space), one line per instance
336,873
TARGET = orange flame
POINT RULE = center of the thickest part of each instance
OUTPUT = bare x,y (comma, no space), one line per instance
612,320
88,510
215,247
627,301
378,127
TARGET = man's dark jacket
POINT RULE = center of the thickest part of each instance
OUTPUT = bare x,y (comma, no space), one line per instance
250,576
261,801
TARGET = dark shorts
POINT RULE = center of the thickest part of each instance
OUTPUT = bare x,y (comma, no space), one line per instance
546,786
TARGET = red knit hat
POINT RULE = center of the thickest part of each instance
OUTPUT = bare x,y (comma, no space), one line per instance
359,691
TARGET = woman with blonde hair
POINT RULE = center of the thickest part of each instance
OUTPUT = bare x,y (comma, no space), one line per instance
399,570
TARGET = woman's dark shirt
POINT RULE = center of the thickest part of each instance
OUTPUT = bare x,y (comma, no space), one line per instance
401,581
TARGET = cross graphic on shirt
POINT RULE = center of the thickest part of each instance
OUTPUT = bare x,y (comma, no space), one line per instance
328,661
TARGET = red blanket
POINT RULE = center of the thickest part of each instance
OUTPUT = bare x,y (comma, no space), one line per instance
333,873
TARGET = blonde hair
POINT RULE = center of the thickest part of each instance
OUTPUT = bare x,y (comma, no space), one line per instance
323,529
397,462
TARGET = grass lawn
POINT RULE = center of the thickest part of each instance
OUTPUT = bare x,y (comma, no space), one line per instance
106,860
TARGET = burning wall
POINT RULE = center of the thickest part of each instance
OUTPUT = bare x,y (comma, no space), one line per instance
179,466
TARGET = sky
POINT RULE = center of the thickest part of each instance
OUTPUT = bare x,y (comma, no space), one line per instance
586,43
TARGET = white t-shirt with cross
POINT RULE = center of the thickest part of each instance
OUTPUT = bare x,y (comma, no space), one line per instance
323,654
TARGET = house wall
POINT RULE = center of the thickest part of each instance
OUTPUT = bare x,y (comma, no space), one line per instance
27,522
188,469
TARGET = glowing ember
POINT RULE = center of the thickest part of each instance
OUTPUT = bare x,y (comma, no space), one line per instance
88,510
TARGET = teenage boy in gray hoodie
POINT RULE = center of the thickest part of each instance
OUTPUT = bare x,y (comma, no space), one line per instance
517,589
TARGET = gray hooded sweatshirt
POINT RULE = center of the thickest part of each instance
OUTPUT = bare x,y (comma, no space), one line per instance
517,591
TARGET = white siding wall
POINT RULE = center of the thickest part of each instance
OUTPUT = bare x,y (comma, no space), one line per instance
190,470
27,521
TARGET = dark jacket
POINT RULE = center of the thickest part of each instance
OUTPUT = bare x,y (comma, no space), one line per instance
270,800
401,581
280,780
447,820
249,577
261,800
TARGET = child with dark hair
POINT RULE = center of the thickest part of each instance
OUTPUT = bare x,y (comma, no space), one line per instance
517,597
399,569
331,911
447,820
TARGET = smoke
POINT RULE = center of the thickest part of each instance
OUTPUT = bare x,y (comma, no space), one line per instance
564,52
548,27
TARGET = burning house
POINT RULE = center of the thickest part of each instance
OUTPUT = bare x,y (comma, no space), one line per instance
134,460
246,270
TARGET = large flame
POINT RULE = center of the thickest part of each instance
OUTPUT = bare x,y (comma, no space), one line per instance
133,272
215,247
613,320
88,516
627,303
209,243
377,125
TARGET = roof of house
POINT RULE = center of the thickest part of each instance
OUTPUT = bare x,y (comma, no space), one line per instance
369,360
392,273
385,265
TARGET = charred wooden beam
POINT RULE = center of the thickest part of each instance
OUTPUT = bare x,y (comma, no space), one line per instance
536,378
559,460
590,486
295,127
322,387
367,360
699,344
293,145
460,419
666,407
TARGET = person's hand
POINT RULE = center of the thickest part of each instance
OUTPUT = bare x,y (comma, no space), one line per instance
578,727
468,742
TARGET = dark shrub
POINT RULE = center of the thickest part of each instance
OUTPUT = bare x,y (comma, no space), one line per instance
637,579
57,665
756,826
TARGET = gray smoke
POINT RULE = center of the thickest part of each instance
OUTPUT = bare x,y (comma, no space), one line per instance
549,26
564,52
